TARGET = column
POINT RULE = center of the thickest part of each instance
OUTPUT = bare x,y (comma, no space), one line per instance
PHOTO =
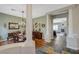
29,42
49,28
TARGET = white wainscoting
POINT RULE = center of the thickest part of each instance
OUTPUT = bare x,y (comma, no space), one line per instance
73,41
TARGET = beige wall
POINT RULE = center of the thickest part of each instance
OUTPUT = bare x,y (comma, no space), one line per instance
73,37
41,20
5,19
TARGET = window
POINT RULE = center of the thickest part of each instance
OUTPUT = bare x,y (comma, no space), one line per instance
55,27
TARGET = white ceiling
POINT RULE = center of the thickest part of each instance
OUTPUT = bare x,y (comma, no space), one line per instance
37,9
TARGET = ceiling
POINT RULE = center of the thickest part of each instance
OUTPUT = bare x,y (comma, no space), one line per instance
37,9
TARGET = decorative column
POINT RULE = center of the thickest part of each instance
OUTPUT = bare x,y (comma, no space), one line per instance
29,42
29,24
49,28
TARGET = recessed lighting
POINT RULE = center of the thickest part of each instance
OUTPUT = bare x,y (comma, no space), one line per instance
22,11
13,9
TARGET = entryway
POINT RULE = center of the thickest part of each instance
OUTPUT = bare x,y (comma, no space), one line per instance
60,31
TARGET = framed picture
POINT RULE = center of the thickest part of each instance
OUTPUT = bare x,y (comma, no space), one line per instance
43,25
13,25
36,25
